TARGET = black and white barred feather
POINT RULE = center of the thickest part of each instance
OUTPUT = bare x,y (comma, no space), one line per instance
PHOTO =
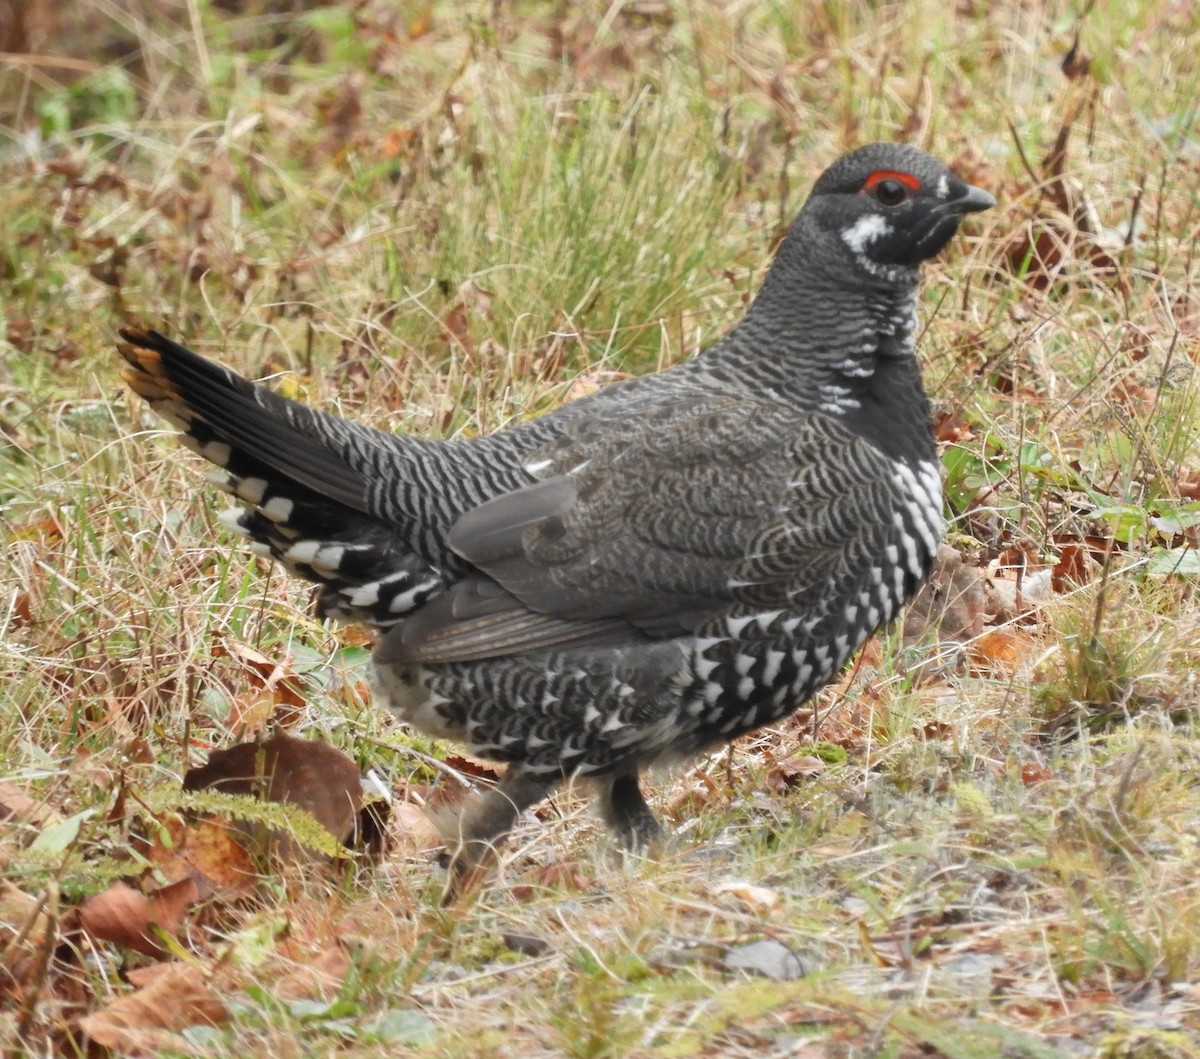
654,569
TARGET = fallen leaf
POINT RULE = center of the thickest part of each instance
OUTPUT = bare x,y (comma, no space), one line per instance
319,979
950,428
279,695
1001,649
756,898
22,916
309,774
413,828
472,766
1075,566
207,850
1076,63
470,300
950,606
17,807
1010,597
790,771
526,944
1032,773
128,917
559,875
174,999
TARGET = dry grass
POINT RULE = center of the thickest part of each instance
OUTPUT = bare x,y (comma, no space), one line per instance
442,217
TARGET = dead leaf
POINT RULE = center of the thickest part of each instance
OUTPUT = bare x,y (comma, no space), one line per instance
587,383
279,695
207,850
318,979
309,774
1013,595
1001,649
1075,566
526,944
474,767
175,998
1076,63
420,22
16,807
128,917
559,875
756,898
22,611
1032,773
950,428
470,300
950,606
414,830
24,921
790,771
1063,228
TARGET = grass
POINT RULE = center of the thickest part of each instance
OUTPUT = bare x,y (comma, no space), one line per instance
444,217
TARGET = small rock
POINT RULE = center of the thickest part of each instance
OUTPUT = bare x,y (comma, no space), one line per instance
526,944
771,959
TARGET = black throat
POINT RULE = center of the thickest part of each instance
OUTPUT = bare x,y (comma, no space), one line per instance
890,409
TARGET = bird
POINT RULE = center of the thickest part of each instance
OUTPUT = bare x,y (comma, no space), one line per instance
649,571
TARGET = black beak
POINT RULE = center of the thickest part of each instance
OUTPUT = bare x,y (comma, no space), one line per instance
972,201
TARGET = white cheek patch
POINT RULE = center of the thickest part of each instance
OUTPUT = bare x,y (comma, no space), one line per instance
943,187
865,230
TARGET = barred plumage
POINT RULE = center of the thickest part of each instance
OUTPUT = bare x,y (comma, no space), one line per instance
651,570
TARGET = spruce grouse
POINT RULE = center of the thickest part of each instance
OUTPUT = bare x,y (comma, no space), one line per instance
651,570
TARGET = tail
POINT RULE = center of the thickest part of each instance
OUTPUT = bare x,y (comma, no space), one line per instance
304,478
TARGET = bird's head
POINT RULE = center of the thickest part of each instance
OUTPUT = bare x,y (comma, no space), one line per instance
890,206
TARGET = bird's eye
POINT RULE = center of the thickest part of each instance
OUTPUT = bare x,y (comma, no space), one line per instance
890,192
890,187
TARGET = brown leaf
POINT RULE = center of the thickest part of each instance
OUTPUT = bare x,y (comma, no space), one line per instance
472,766
251,712
756,898
24,920
559,875
22,611
420,22
208,851
127,917
1189,486
587,383
173,999
1075,566
306,773
1032,773
318,979
455,329
949,608
470,300
281,696
1001,649
414,830
790,771
16,807
951,428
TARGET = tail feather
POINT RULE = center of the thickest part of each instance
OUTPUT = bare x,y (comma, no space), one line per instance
209,403
305,500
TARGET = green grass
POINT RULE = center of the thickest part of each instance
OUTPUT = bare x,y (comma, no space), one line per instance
441,218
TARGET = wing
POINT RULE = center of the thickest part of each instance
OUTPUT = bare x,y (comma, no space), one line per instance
649,529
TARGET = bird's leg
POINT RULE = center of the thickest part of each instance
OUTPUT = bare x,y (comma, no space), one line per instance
485,822
626,812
